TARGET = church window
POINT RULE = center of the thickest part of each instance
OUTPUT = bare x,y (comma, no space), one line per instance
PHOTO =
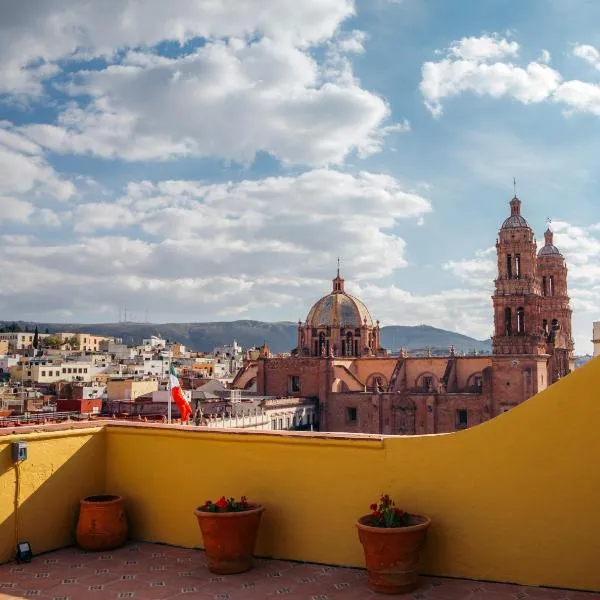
294,384
356,347
280,423
273,423
520,320
351,414
544,286
427,382
509,266
507,321
551,286
518,266
462,418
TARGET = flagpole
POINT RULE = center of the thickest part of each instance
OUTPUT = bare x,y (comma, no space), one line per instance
169,390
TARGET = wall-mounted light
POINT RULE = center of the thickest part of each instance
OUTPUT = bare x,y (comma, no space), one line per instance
24,553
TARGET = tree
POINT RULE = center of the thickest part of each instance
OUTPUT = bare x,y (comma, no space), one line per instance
52,341
36,338
73,342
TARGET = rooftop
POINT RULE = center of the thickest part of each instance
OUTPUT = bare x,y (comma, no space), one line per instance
143,570
510,500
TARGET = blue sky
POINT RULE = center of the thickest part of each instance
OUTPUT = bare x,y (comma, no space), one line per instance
209,161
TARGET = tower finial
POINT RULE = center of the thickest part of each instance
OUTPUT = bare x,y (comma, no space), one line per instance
514,187
338,268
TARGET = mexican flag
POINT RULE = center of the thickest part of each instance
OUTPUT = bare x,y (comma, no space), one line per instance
185,410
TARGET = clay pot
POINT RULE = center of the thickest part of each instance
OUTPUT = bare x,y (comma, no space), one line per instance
102,523
229,539
392,554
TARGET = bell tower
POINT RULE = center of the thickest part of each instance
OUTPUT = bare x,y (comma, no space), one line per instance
519,350
517,289
555,311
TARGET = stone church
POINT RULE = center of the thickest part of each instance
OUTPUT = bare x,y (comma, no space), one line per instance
340,363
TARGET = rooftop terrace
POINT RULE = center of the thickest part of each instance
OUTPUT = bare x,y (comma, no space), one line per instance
512,500
142,570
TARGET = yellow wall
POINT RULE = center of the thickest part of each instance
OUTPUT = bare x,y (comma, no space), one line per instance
514,499
62,467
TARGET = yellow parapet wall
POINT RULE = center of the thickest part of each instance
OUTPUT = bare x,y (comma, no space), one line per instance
62,467
515,499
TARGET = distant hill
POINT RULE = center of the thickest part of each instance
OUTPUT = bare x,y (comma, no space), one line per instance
279,336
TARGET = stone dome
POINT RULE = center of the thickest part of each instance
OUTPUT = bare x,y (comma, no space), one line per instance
549,249
515,220
339,309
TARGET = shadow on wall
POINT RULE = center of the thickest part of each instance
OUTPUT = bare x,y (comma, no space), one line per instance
62,467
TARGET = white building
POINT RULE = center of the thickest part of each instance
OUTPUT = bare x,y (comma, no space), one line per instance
154,342
45,370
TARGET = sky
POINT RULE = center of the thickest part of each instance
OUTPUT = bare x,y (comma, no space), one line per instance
201,161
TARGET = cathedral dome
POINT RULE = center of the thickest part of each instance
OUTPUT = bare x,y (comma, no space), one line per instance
515,220
549,249
339,309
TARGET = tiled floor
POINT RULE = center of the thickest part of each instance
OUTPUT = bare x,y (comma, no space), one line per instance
153,571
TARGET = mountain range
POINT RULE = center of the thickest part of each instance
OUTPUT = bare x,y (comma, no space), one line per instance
279,336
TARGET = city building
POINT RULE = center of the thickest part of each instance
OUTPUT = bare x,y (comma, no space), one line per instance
339,360
20,340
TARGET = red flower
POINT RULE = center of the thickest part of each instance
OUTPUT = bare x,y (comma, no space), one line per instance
222,503
373,507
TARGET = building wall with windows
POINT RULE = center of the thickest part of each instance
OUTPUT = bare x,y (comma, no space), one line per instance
20,340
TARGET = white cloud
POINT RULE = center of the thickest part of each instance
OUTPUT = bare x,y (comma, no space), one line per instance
229,100
589,54
466,67
483,48
479,271
12,209
23,169
465,310
216,249
254,85
35,34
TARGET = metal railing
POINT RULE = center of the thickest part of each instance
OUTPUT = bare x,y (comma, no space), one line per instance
45,416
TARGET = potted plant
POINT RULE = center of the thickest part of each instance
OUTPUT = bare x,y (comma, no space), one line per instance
392,541
229,528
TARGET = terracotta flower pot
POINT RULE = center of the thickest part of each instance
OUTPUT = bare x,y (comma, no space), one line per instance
102,523
392,554
229,539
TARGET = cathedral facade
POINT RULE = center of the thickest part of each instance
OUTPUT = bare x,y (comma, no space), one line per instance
340,363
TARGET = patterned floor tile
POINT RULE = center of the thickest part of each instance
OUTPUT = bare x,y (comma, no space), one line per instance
157,572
